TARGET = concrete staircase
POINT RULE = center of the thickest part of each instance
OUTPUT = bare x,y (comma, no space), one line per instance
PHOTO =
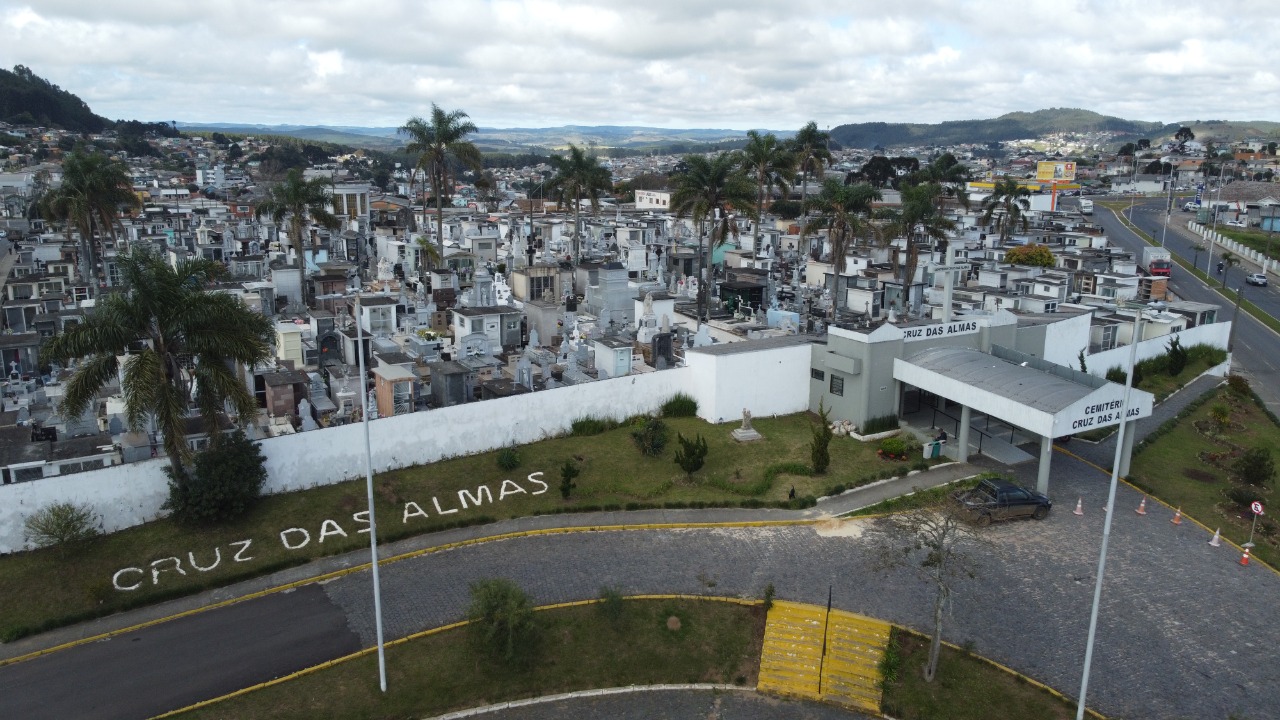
792,661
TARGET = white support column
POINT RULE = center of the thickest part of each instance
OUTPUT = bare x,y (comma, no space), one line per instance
1126,454
1046,458
962,434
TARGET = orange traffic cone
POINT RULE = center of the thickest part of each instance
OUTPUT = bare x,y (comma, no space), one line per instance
1215,542
1177,517
1244,559
1142,506
1079,507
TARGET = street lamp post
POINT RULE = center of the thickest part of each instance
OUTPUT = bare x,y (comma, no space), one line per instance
1111,508
1208,268
368,476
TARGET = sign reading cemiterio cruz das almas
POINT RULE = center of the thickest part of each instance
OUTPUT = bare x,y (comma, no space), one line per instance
932,332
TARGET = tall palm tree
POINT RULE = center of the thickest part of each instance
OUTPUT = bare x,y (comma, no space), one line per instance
918,219
812,155
1229,261
579,175
94,188
1010,201
174,345
842,211
771,164
948,172
709,187
304,202
439,143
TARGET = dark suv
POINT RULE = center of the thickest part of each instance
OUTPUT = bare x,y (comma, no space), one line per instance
995,499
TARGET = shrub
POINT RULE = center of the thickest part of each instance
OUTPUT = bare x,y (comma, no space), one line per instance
224,484
768,597
611,603
884,423
502,622
680,405
568,472
1239,385
508,458
62,524
1255,467
692,454
820,446
893,446
651,438
1207,354
1177,357
583,427
1242,497
1117,375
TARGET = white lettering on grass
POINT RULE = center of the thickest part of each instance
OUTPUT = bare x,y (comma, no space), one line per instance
362,517
329,527
115,579
412,509
217,558
477,499
284,538
440,511
503,492
156,569
244,548
533,478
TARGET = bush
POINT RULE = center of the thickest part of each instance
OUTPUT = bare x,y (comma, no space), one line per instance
680,405
1255,467
502,623
584,427
1177,357
224,484
1242,497
508,458
651,438
820,446
1117,375
568,472
768,597
884,423
611,604
1239,385
62,524
692,454
893,446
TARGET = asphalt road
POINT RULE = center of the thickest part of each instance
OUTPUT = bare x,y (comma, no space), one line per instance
1257,349
167,666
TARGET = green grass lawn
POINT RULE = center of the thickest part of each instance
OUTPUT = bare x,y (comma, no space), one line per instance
579,648
965,688
44,589
1176,467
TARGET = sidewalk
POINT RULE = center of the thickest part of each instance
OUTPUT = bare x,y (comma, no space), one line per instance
621,520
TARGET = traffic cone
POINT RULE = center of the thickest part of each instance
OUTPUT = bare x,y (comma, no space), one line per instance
1142,506
1215,542
1244,559
1177,517
1079,507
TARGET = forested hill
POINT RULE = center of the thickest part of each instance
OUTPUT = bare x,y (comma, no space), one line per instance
27,99
1011,126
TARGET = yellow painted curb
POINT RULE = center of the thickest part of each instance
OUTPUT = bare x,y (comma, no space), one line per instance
425,633
396,558
1006,668
1185,516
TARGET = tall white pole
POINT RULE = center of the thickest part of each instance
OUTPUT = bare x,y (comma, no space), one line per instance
368,478
1111,508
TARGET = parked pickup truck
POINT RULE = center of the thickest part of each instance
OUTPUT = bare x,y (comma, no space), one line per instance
995,499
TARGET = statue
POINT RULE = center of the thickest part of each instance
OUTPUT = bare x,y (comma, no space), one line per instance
746,433
746,419
385,268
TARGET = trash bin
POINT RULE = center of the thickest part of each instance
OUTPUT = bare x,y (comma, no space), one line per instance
933,450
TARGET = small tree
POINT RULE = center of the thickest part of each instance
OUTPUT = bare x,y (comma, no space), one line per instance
1255,467
1221,417
820,446
692,454
935,541
502,623
568,472
225,483
63,525
1083,368
1177,357
651,438
1034,254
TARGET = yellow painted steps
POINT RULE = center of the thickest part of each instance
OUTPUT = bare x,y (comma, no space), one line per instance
792,660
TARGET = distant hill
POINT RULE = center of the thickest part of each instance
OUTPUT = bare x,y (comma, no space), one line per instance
27,99
1010,126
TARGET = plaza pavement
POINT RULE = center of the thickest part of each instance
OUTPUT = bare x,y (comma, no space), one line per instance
1184,631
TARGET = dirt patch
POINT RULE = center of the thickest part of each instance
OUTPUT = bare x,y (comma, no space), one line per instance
673,623
1202,475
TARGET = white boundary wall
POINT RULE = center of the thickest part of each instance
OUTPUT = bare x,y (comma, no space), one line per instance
1215,334
772,381
1222,241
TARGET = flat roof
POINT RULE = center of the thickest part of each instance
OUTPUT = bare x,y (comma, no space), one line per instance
747,346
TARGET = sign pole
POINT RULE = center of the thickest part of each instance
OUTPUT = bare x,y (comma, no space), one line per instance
1256,507
368,478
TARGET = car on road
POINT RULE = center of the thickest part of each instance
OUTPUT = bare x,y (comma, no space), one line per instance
1237,223
1191,207
1256,279
997,499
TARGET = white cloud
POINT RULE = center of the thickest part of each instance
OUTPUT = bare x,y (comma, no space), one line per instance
705,63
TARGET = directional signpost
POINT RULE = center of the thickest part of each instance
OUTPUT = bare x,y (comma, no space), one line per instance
1256,507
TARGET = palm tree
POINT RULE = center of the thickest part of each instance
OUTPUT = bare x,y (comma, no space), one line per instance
439,144
173,344
771,164
842,210
94,188
711,186
1229,260
812,155
304,202
1011,201
429,254
579,175
948,172
918,218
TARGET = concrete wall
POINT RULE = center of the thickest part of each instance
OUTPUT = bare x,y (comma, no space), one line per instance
773,381
1214,334
1221,242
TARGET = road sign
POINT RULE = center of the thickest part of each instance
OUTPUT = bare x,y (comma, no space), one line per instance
1256,507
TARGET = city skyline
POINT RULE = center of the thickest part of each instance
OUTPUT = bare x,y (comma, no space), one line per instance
544,63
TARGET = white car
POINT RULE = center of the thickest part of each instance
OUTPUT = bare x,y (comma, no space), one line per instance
1256,279
1237,223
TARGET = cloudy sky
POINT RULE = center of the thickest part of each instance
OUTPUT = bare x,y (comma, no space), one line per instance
666,63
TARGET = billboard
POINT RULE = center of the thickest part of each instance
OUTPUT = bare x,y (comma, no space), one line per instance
1054,170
